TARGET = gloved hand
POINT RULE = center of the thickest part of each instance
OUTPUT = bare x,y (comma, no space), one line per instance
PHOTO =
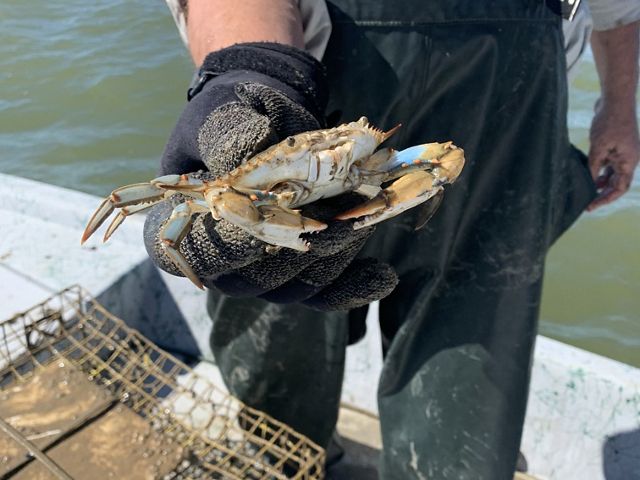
252,96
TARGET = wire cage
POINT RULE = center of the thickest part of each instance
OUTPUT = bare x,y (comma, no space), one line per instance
191,428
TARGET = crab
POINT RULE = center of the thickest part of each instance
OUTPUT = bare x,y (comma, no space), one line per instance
262,195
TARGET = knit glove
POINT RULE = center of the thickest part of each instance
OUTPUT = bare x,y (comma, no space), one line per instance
248,97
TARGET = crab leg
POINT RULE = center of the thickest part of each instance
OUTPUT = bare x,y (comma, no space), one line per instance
185,183
122,214
105,209
405,193
145,193
176,228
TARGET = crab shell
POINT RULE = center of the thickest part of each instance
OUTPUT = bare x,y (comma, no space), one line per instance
309,166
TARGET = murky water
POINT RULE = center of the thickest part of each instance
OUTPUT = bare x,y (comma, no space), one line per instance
89,92
592,287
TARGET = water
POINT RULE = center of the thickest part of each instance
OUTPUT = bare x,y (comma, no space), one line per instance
591,294
89,92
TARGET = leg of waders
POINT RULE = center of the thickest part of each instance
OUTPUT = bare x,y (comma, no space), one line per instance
463,319
285,360
462,322
453,391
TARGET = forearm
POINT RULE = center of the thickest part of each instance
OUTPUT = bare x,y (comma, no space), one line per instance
215,24
616,56
615,146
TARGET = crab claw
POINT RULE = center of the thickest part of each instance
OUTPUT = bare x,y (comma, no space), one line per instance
449,164
444,160
272,224
405,193
283,227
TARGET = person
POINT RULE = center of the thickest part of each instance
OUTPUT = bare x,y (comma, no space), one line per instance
459,327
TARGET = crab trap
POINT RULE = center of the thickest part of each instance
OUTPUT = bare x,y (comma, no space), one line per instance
83,396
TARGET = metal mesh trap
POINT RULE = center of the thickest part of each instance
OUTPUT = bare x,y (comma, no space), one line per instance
81,393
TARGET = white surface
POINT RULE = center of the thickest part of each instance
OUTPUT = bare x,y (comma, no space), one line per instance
363,366
40,243
578,401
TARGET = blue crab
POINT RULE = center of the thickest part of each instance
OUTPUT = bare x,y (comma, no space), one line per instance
262,195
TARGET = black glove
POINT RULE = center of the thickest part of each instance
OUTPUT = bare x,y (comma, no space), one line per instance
249,97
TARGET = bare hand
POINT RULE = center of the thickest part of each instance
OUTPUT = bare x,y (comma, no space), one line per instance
614,152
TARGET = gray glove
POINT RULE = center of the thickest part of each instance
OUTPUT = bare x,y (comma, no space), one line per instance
249,97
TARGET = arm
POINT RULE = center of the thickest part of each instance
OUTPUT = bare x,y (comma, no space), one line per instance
615,146
212,25
253,93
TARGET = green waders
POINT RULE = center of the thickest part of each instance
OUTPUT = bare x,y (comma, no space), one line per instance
460,327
